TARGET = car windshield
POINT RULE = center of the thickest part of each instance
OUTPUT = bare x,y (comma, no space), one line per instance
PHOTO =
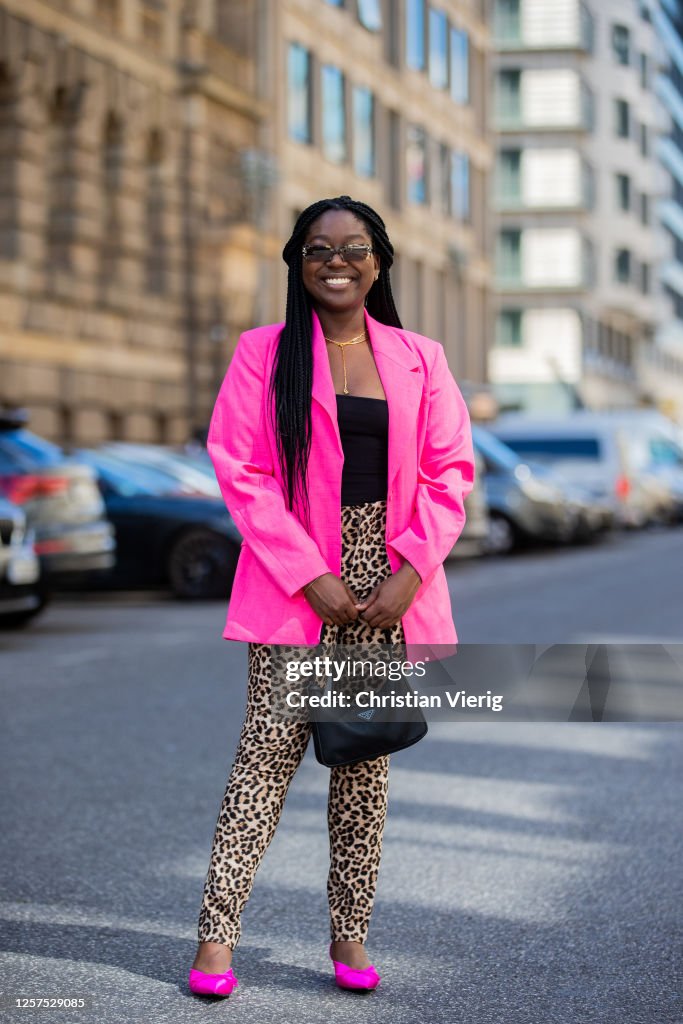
552,449
493,449
126,478
198,476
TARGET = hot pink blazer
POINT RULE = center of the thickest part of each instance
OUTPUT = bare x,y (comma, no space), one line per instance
431,471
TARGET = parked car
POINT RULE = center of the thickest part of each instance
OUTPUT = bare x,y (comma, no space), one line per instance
594,450
657,445
61,501
196,474
20,591
593,514
165,536
522,507
472,541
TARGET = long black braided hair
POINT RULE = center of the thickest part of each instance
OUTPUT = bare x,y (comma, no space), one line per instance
292,374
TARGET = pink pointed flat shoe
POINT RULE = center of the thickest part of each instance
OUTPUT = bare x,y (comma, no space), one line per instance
358,980
212,984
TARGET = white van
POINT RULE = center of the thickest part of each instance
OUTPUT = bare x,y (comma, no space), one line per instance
596,450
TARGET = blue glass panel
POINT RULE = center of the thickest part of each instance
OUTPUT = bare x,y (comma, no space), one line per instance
438,48
460,185
370,14
364,131
334,114
460,73
299,93
415,34
416,164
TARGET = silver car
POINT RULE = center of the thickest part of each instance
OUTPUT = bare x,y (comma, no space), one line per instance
595,450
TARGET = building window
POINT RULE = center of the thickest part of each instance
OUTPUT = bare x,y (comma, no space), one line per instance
156,256
152,28
644,208
416,164
445,198
509,257
438,48
644,140
508,95
112,156
460,185
108,10
509,176
622,119
394,176
363,131
644,71
415,34
333,114
299,93
460,66
370,14
622,266
509,328
645,278
588,180
621,44
623,184
418,277
506,21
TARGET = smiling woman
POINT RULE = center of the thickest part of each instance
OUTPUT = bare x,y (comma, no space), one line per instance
343,449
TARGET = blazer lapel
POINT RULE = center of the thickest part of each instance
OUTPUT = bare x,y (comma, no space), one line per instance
402,378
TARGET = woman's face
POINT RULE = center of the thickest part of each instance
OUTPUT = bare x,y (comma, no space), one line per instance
338,286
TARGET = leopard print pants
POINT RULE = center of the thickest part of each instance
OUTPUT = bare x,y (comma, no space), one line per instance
269,753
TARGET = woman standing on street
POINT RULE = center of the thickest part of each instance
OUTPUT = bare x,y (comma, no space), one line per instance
343,450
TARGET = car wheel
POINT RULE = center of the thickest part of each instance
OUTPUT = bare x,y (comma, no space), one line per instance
501,538
201,564
17,620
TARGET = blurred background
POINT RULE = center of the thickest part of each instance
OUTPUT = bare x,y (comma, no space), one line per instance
527,156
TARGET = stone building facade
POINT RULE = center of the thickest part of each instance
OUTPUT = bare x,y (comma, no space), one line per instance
126,228
154,155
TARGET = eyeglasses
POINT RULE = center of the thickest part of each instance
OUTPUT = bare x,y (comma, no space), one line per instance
324,253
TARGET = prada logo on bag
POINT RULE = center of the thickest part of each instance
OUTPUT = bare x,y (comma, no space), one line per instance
367,714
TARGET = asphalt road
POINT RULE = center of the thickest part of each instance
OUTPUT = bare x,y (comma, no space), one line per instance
531,872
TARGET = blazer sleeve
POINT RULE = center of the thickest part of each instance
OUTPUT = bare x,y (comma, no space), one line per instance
238,446
445,476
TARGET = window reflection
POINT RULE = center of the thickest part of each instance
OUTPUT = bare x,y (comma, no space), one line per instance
334,114
299,93
415,34
438,48
460,185
460,73
416,164
363,131
370,14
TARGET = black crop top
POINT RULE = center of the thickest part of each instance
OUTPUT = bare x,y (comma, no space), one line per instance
364,431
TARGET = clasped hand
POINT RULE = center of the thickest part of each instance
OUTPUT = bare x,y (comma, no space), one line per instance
336,604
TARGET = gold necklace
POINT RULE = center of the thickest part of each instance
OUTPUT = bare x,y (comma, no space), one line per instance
342,345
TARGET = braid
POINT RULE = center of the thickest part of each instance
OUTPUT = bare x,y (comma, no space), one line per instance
291,379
